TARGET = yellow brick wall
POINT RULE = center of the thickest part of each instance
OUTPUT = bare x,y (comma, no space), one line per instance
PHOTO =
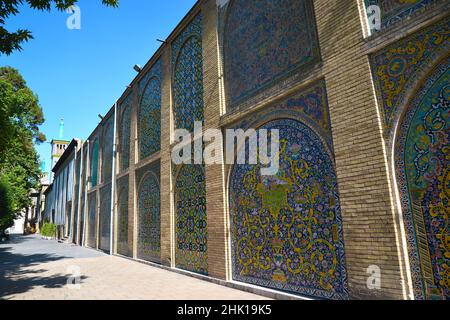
372,230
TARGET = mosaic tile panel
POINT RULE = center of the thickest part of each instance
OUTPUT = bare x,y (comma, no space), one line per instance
149,116
94,163
396,67
265,41
310,106
82,226
92,220
154,72
190,220
105,218
287,228
422,163
107,145
149,215
187,62
123,246
393,11
125,132
76,194
83,190
68,216
75,220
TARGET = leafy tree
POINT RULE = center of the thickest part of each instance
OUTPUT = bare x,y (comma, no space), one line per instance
20,113
20,118
11,41
6,212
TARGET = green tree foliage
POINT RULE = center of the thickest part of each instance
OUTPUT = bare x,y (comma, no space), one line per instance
20,118
11,41
6,212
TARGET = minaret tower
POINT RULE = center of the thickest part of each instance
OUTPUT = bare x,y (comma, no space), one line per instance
58,147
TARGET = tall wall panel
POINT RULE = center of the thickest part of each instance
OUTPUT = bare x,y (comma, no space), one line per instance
286,229
149,214
123,245
92,220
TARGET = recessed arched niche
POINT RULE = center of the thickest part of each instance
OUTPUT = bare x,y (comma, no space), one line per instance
265,41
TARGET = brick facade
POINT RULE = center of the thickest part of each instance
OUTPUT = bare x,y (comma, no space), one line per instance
373,229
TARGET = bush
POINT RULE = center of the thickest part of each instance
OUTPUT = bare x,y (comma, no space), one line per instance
48,230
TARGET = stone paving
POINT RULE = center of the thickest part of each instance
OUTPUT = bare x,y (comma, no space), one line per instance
32,268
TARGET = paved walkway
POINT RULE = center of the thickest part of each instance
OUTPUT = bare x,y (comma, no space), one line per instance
32,268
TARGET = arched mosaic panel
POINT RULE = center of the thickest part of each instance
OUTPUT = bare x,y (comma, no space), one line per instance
187,61
68,218
92,223
287,229
149,217
76,198
107,155
149,119
264,41
396,67
81,231
422,162
105,218
125,134
393,11
94,163
83,204
123,247
75,222
190,219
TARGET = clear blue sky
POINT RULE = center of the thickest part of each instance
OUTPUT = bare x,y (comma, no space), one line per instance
78,74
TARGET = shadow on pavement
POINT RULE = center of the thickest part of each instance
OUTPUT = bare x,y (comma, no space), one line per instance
14,276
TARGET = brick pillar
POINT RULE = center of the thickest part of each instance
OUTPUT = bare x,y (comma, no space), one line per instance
166,174
215,174
370,229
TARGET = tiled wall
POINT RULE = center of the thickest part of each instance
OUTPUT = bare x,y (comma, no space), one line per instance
339,98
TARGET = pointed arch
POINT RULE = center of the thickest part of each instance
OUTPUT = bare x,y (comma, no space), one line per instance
149,218
286,229
421,162
149,119
94,163
188,84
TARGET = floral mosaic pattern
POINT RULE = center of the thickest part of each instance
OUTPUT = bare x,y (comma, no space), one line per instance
149,216
92,223
287,229
149,117
81,232
310,106
396,67
187,62
125,132
75,221
190,220
108,142
123,246
393,11
423,174
105,218
94,163
76,193
264,41
154,72
83,189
